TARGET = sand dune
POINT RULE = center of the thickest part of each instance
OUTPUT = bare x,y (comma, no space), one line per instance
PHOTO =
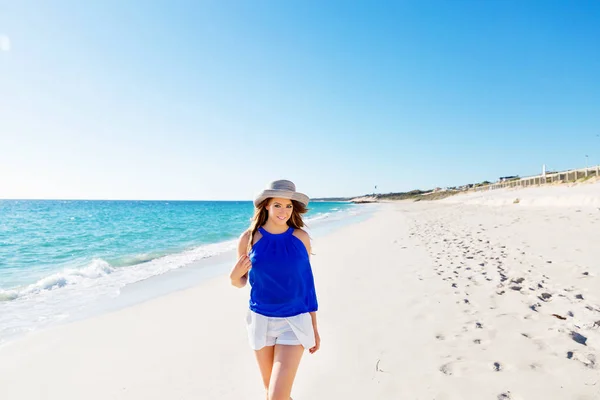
564,195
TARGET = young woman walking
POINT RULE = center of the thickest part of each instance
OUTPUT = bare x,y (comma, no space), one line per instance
274,257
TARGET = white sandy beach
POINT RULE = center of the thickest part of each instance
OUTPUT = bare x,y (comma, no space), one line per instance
429,300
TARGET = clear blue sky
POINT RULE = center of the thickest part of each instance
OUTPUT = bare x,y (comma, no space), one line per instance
213,99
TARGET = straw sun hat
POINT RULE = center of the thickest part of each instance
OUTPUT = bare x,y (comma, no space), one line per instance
282,189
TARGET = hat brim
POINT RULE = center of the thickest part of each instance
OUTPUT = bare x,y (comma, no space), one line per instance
282,194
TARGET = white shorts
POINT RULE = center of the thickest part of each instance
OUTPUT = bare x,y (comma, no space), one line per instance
269,331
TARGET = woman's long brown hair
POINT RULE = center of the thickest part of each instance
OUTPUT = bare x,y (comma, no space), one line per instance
261,215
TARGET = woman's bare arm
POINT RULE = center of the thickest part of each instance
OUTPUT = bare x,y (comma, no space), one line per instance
239,273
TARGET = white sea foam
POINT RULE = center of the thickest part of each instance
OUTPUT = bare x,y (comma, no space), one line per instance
319,217
336,214
70,276
55,297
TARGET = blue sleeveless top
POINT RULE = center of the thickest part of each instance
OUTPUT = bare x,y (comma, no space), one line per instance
281,278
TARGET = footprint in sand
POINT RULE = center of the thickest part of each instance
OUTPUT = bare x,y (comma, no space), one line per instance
588,361
545,297
447,369
579,338
535,307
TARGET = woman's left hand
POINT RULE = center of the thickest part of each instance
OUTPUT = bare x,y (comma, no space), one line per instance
317,345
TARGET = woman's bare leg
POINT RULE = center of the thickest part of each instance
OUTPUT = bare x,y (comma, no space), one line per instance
285,364
264,357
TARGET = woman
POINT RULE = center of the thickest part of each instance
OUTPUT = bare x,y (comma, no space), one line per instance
274,256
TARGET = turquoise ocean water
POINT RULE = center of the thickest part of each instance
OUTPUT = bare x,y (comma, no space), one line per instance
58,256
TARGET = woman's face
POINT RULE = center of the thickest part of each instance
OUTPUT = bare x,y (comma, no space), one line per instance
280,210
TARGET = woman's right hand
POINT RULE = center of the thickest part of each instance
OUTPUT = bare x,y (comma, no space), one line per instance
240,269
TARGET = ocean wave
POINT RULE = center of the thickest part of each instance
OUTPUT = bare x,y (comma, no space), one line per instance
125,271
60,296
70,276
335,214
318,217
